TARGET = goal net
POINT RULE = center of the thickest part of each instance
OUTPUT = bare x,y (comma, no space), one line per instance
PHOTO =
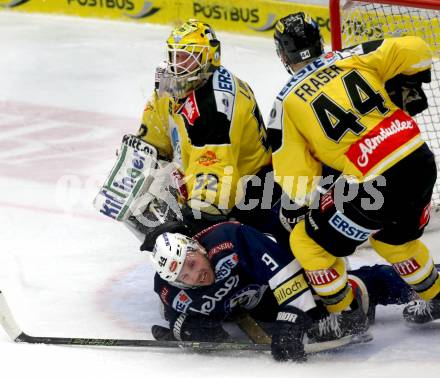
353,22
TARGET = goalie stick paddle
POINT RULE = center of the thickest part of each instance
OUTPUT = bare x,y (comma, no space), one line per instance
16,334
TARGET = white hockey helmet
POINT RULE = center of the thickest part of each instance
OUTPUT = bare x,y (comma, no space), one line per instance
169,254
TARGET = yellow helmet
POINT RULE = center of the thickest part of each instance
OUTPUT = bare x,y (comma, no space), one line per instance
193,54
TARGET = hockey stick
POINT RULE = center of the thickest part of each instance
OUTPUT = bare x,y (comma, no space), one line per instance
252,329
16,334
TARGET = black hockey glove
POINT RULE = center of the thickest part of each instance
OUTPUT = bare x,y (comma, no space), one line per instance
407,93
288,335
153,233
191,328
155,220
197,221
162,333
291,216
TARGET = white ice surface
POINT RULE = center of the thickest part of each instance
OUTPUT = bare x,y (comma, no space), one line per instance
69,89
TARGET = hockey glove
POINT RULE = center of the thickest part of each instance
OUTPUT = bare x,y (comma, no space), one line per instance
155,220
162,333
190,328
407,93
289,218
199,220
288,335
153,233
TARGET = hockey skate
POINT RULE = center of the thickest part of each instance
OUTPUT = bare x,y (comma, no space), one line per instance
350,322
420,312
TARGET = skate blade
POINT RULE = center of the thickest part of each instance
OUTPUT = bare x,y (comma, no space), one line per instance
362,338
435,324
338,343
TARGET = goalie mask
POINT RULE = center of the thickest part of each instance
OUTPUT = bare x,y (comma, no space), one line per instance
193,54
297,39
181,260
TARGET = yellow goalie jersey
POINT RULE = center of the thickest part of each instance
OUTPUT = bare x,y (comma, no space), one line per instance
216,135
336,111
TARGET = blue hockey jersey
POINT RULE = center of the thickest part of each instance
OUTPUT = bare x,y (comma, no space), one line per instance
246,264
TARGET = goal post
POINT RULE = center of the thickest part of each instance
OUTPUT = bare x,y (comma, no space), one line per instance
356,21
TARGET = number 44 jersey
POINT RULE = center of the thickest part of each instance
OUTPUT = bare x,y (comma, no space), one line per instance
336,111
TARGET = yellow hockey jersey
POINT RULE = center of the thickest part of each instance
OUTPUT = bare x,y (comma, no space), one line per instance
336,111
216,135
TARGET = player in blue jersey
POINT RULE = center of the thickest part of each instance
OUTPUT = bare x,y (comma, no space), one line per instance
203,280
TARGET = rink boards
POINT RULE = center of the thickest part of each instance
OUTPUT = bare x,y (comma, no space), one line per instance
255,18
